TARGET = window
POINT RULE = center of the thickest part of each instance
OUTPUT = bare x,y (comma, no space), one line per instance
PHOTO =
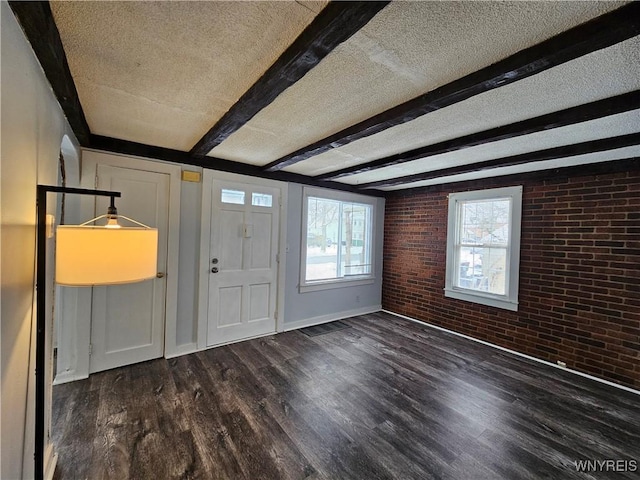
337,239
232,196
261,200
483,246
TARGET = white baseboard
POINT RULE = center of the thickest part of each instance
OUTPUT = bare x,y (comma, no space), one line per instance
183,349
66,377
529,357
309,322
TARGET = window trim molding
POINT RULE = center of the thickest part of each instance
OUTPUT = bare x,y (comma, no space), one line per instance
351,281
509,301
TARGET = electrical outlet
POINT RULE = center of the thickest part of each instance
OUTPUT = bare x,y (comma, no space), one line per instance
562,364
357,298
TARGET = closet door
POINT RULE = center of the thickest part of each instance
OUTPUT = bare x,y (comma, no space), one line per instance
128,321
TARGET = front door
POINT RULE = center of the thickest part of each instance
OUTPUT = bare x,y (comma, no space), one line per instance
243,261
127,322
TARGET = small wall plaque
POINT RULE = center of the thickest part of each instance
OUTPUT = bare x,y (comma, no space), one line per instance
190,176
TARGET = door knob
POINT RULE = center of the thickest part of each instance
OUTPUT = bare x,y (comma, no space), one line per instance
160,275
214,270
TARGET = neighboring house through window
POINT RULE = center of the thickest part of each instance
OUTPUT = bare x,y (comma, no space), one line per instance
337,239
483,246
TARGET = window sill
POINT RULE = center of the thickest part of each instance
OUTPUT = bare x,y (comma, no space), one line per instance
489,300
331,284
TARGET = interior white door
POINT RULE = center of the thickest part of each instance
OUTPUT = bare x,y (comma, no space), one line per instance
243,261
127,321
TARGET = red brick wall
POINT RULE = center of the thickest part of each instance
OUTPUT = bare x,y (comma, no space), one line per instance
579,272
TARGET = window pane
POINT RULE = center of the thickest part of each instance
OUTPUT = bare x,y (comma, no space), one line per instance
323,223
484,239
232,196
338,239
470,267
355,249
483,269
494,269
261,200
485,222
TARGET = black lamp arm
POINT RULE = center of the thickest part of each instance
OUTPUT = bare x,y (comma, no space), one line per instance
41,278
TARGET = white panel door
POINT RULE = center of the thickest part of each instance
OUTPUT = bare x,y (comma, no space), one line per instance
243,268
127,321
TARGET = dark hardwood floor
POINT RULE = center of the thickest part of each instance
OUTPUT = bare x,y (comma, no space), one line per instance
384,399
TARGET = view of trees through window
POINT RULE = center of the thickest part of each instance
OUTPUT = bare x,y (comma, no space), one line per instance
483,240
338,239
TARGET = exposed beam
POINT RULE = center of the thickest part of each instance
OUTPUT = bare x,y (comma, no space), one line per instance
581,113
553,174
126,147
333,25
564,151
40,29
599,33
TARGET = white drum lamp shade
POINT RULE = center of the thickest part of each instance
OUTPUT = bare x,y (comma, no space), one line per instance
92,255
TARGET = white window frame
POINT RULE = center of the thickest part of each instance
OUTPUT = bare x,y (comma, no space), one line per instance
509,300
336,195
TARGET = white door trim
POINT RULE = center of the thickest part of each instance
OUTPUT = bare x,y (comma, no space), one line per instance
205,233
90,161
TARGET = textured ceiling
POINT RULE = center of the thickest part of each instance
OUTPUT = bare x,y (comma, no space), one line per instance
611,126
583,80
408,49
163,73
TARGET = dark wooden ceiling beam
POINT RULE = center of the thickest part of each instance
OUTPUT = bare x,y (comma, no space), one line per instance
599,33
565,151
40,29
581,113
333,25
126,147
552,174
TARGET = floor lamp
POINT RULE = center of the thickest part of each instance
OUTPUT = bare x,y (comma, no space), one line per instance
86,255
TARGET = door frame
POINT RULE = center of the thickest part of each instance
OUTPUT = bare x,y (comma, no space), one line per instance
205,241
90,160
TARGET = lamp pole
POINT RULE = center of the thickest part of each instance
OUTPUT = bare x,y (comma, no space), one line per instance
41,320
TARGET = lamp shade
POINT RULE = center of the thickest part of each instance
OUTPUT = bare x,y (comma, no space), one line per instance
91,255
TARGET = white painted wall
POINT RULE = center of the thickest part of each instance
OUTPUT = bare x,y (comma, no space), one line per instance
67,334
310,308
299,309
190,208
32,126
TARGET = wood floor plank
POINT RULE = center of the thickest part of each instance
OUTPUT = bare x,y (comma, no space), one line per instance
253,359
316,449
353,456
111,457
467,467
217,451
420,400
554,447
361,426
384,399
156,425
73,428
249,396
